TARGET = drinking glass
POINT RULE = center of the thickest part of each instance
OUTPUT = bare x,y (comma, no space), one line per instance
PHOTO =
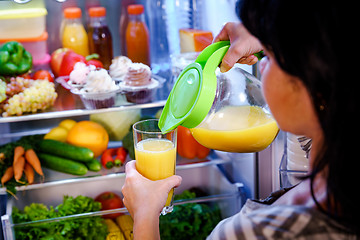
155,154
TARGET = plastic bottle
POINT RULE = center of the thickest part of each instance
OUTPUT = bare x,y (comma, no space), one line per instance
157,12
100,39
74,35
137,35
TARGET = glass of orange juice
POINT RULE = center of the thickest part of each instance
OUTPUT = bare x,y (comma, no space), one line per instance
155,154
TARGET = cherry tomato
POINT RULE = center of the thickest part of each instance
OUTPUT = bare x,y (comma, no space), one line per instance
110,200
43,74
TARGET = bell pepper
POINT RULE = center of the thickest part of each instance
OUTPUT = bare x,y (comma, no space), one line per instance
93,59
14,59
68,62
71,58
188,147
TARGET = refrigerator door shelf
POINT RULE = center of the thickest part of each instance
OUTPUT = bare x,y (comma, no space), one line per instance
208,178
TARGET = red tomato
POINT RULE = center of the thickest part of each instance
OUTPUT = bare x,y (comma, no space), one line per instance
110,200
43,74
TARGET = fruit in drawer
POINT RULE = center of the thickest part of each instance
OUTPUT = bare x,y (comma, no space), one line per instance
57,133
67,123
90,135
110,200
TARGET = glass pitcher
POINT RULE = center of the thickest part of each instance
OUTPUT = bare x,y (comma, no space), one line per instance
225,112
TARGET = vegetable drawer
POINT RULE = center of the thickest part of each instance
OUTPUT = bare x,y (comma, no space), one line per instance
226,196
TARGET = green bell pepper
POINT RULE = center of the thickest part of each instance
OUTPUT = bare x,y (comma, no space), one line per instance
14,59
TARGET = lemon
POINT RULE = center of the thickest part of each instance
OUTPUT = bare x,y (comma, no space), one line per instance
67,123
57,133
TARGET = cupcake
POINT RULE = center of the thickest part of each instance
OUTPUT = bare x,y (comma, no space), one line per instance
78,75
99,90
119,67
138,84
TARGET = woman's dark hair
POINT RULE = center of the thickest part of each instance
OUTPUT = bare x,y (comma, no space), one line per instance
311,40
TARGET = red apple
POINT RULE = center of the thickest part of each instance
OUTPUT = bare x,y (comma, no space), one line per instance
56,59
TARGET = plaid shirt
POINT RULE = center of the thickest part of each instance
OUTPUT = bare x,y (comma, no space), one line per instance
260,221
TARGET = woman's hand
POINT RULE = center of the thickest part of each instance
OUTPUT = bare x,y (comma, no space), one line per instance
242,46
145,199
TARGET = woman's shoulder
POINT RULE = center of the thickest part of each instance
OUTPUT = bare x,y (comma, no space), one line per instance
259,221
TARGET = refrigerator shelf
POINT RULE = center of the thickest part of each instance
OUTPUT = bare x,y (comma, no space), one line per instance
54,178
229,196
70,105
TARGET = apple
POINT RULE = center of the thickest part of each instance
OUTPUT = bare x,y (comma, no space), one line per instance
56,59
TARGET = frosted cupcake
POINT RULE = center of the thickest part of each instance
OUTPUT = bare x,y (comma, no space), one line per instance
119,67
99,90
138,84
78,75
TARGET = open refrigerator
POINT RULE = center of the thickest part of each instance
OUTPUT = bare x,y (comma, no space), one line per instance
227,178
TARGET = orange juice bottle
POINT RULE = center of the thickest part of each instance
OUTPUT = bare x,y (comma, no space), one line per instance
74,35
137,35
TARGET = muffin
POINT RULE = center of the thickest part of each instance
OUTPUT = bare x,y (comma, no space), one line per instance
99,90
119,67
78,75
138,84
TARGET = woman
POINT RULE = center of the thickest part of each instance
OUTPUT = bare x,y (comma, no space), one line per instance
307,89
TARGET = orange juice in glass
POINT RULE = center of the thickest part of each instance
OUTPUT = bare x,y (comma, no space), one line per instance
155,154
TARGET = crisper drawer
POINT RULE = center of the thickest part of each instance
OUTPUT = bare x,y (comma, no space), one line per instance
227,196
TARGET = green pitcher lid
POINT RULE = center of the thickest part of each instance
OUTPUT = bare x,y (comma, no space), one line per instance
194,91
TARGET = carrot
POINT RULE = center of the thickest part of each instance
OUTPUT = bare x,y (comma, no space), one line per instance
19,168
18,152
9,173
34,161
29,173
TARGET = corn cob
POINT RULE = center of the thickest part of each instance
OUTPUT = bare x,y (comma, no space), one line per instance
114,231
126,224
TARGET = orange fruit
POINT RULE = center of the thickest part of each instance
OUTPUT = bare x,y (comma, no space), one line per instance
89,134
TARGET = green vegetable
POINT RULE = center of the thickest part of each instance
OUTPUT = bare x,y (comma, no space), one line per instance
82,228
189,221
62,164
94,165
128,144
14,59
66,150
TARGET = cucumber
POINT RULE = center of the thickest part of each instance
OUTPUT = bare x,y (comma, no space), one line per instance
94,165
62,164
66,150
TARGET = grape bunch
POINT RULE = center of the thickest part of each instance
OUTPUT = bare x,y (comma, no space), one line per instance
17,85
39,95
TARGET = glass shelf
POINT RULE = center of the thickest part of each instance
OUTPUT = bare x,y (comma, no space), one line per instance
69,105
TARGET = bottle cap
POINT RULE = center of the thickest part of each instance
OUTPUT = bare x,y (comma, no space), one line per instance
193,94
97,12
72,12
135,9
